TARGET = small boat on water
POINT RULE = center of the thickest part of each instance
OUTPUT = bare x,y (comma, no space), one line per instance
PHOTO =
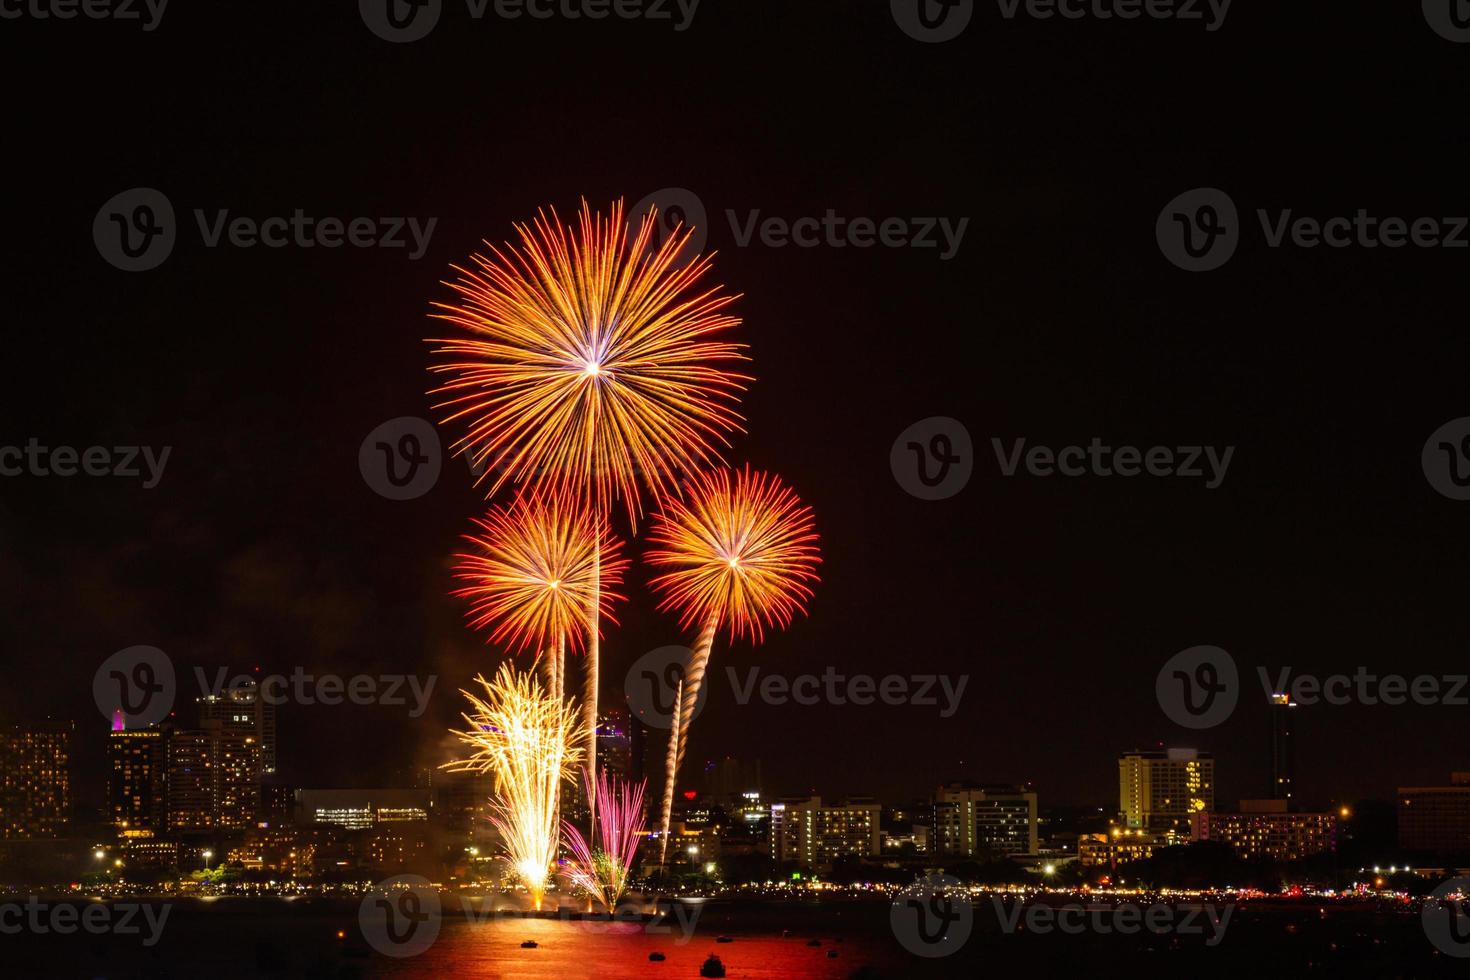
814,942
831,954
723,939
656,957
530,944
712,967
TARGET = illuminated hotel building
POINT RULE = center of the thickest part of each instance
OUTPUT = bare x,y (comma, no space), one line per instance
973,821
1160,790
1265,829
814,834
1436,819
137,765
35,780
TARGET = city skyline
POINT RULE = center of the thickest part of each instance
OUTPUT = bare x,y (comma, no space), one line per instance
999,456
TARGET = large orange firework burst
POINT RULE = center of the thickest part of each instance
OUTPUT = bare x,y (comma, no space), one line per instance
535,568
588,358
742,550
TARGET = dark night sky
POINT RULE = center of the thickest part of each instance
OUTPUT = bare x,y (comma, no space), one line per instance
1058,320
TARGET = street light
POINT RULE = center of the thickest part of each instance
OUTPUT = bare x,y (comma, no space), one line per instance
207,856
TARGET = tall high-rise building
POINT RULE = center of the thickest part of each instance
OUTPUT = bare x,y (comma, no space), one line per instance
815,834
213,778
189,798
979,822
615,743
1283,747
1159,790
638,748
35,780
137,771
243,709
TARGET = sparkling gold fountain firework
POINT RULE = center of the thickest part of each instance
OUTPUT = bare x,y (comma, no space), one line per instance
528,740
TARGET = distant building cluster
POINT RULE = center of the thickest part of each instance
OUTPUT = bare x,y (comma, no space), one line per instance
35,781
180,797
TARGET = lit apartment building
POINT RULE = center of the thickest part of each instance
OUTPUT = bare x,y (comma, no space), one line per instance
1264,829
35,780
981,822
815,834
213,778
137,779
1161,790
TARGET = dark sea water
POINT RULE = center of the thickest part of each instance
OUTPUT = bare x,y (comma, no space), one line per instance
229,938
